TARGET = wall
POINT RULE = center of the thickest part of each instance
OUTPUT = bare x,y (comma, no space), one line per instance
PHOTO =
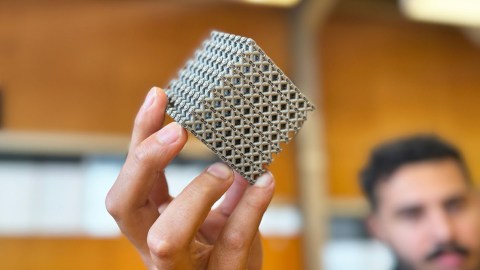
85,66
385,76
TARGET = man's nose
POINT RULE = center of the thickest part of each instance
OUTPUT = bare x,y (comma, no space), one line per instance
441,227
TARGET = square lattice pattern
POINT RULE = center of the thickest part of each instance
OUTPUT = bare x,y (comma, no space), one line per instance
233,98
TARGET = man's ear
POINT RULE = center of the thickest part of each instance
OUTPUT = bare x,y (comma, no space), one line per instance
375,227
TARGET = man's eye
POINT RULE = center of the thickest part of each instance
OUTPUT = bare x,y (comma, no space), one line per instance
455,206
411,214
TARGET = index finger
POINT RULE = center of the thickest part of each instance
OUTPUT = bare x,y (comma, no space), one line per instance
144,166
150,117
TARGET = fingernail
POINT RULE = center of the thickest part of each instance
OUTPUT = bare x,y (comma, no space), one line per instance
169,134
264,180
151,96
220,170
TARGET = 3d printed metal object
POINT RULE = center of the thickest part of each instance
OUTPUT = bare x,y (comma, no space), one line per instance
233,98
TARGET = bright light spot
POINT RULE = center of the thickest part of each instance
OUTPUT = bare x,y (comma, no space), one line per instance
457,12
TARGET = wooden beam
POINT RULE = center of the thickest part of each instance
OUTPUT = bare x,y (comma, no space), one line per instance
307,19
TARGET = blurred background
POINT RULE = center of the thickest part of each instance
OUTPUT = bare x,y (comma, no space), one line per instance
74,73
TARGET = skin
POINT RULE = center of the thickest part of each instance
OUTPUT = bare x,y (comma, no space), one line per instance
184,232
423,205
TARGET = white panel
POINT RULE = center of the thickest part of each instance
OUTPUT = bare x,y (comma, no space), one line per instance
281,220
178,176
17,197
63,198
99,178
59,199
356,254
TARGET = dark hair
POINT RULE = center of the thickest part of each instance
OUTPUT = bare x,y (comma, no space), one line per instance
386,158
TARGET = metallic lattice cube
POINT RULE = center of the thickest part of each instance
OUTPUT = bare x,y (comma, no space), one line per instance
233,98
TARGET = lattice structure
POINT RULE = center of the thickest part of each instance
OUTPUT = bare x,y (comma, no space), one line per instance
233,98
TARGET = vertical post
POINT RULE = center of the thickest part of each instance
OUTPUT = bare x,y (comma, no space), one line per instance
2,107
307,19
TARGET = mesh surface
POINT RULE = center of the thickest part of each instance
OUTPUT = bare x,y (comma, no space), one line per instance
233,98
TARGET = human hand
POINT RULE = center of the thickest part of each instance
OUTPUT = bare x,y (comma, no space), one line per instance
184,232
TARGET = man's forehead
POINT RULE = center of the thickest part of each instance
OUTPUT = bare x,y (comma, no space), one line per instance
422,182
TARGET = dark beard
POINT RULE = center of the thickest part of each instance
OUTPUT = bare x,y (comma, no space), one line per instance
437,251
447,247
401,265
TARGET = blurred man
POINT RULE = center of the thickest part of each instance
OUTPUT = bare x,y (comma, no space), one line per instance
424,206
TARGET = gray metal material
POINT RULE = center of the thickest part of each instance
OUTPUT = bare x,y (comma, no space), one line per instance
234,98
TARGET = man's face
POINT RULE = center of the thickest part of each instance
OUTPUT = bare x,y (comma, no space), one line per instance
429,216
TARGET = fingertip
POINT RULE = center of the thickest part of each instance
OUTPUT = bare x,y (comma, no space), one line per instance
156,96
162,99
160,92
183,134
156,88
149,99
184,131
265,180
171,133
148,113
221,171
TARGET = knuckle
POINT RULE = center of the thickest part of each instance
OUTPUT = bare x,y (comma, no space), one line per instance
112,206
234,240
148,153
141,155
161,248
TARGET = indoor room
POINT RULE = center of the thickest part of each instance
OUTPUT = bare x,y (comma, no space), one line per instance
363,80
